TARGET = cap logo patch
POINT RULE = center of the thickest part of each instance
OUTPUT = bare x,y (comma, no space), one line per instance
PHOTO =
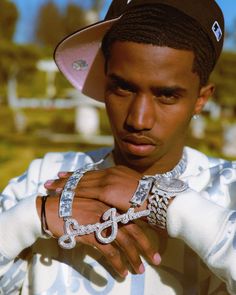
217,31
80,65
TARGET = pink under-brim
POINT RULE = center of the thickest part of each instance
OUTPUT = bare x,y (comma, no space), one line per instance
84,48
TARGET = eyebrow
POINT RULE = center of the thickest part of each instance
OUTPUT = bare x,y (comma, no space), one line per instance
160,89
121,81
170,89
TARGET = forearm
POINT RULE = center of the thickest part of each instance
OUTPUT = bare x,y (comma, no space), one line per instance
209,230
20,227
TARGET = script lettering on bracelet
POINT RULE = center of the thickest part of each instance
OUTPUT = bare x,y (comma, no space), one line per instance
111,220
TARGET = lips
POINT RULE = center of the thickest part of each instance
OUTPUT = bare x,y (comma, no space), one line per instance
139,145
139,139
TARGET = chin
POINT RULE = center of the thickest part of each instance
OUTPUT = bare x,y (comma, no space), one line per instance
138,163
137,159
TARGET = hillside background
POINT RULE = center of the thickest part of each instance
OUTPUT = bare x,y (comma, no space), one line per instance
41,112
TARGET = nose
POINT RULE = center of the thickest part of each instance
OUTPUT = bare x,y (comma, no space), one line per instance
141,115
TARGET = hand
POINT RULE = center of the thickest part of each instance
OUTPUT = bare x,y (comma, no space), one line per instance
129,242
113,186
107,186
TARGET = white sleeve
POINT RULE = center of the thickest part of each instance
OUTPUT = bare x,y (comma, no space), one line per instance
209,229
20,224
20,227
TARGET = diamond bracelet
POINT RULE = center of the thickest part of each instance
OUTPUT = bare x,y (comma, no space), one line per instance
163,191
73,229
67,197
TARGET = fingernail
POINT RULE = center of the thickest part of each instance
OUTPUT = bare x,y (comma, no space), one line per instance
141,268
125,273
59,190
157,258
48,183
62,174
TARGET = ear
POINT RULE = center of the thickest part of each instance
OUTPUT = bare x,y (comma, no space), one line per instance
205,93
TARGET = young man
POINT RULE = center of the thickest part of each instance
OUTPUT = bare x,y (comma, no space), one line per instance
150,198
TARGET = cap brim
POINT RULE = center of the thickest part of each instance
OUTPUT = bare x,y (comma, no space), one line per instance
81,61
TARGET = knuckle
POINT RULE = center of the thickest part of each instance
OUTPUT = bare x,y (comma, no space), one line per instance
108,179
127,242
113,253
100,209
105,192
106,189
137,233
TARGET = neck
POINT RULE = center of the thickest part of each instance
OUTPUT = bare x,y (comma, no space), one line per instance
162,165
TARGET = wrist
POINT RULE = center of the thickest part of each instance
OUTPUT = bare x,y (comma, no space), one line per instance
38,205
41,210
163,192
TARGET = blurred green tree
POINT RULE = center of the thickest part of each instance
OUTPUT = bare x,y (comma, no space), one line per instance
53,25
73,19
224,76
49,26
15,60
97,5
8,19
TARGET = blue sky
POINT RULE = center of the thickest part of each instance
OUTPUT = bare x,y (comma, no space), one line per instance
29,9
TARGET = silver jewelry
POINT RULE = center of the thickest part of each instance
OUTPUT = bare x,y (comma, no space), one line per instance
145,183
164,189
177,170
196,116
67,195
73,229
142,191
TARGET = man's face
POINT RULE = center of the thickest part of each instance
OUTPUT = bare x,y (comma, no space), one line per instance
151,96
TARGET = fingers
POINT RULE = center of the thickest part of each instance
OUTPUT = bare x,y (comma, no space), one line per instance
63,174
133,241
144,244
114,257
66,175
90,179
87,212
122,253
127,244
105,185
111,252
55,186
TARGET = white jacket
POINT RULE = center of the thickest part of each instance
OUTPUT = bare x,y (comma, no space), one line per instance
198,257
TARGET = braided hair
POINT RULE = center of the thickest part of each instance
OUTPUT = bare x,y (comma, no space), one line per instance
162,25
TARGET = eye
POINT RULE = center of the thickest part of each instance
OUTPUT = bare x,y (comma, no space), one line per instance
167,96
167,99
119,88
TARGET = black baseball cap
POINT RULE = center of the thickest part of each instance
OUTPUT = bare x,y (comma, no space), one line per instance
79,55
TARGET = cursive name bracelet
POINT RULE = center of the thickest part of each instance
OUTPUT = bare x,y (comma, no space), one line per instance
111,220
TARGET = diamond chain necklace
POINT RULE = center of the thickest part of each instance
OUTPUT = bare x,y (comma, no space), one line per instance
177,170
174,173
